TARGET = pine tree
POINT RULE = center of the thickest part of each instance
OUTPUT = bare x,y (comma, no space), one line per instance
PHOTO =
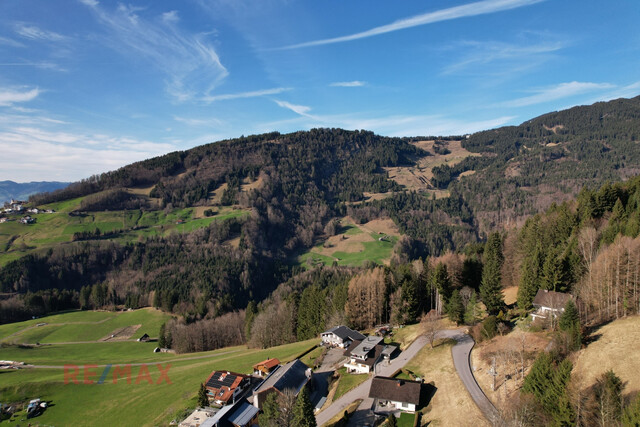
491,285
631,414
203,400
303,415
441,281
250,314
570,324
455,308
529,283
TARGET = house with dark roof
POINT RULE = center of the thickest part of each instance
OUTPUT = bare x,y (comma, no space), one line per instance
223,386
240,414
265,367
392,394
549,303
340,336
290,376
363,355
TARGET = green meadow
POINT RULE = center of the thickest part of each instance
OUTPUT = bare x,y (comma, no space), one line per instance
127,226
141,402
82,326
378,251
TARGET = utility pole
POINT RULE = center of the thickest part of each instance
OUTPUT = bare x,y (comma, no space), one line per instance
494,374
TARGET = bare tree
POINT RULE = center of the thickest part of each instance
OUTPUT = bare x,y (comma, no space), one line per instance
430,325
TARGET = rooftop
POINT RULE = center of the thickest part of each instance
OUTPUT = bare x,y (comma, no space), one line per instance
267,364
395,390
292,375
366,346
344,332
221,384
551,299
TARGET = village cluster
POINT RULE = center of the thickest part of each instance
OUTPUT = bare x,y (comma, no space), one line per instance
17,209
236,399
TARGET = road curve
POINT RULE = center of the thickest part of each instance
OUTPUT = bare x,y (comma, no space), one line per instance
362,391
460,352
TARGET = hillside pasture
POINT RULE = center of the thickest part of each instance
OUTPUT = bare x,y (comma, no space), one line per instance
137,403
128,226
355,244
81,326
615,347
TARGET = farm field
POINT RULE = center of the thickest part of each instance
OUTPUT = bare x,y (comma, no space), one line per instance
137,403
354,244
128,226
81,326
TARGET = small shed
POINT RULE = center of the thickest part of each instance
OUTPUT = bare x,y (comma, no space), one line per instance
144,338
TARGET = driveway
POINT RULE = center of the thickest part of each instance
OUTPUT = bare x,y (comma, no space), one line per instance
362,391
460,352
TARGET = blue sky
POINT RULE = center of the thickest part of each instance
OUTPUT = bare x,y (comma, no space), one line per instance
88,86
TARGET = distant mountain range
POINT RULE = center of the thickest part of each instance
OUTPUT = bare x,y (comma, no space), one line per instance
22,190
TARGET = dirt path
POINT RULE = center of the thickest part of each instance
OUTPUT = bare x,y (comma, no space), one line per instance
206,356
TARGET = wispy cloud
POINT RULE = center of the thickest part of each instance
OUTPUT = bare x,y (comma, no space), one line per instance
301,110
391,125
559,91
66,155
251,94
11,96
34,33
10,42
628,91
466,10
482,53
190,62
355,83
198,122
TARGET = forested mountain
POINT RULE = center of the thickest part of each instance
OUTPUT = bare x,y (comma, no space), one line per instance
292,189
523,169
21,191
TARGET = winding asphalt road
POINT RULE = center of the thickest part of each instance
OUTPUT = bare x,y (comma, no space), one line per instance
461,359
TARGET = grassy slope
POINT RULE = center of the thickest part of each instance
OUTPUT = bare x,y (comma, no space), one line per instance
131,404
616,348
355,254
83,326
49,230
116,404
435,366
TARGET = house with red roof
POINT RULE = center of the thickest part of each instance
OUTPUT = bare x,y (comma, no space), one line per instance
224,386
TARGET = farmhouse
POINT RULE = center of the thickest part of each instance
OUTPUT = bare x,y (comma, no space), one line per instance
26,220
363,355
223,386
391,394
340,336
293,375
265,367
549,303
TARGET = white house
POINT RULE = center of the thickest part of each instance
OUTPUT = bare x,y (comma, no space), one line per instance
363,355
392,394
549,303
340,336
